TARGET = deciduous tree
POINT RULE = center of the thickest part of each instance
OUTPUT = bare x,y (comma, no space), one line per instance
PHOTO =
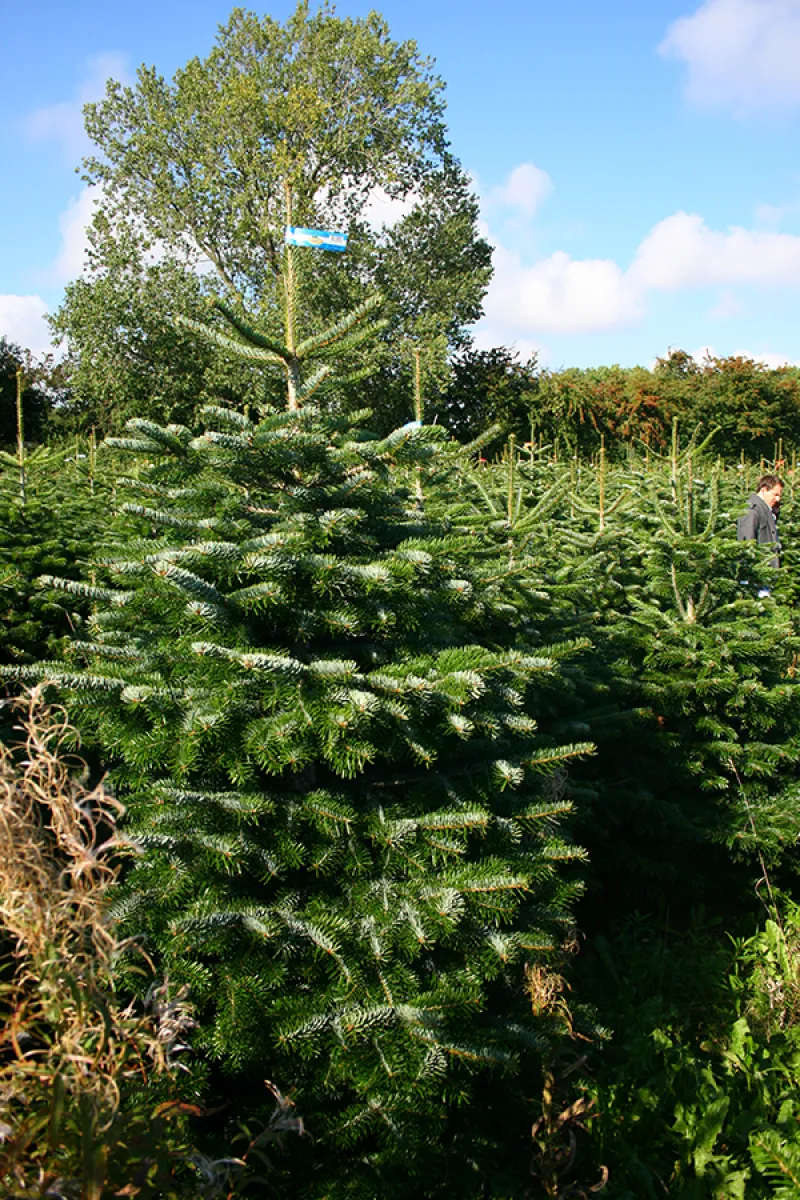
309,123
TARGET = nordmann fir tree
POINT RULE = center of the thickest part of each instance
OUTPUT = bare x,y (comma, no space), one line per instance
562,527
318,708
512,512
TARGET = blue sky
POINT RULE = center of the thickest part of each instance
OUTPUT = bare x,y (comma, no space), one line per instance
637,163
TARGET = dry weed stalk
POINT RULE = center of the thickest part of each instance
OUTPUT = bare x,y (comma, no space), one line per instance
69,1048
554,1133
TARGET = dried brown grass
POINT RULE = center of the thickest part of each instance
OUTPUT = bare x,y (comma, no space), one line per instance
70,1050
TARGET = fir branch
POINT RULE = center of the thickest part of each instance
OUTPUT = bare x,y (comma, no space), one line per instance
86,590
141,694
227,552
136,445
552,756
240,349
189,583
485,877
483,439
108,650
44,673
310,385
545,811
155,433
328,807
334,668
168,520
350,342
251,660
470,819
312,930
485,1056
334,333
227,441
228,416
251,335
557,850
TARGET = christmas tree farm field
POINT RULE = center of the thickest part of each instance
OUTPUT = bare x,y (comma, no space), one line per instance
391,725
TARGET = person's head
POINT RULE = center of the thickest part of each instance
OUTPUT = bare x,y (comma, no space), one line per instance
770,489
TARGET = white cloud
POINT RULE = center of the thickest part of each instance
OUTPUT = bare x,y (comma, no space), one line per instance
739,54
73,224
533,296
771,214
63,123
703,354
769,359
383,210
683,252
487,338
525,189
728,305
558,294
22,321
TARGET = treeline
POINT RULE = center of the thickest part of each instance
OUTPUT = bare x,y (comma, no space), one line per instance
754,408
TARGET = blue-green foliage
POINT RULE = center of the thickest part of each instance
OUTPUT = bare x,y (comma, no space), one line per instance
690,688
320,707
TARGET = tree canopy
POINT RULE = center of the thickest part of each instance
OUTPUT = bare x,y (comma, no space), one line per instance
38,385
317,122
322,110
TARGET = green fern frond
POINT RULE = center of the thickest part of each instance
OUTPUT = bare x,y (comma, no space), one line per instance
778,1159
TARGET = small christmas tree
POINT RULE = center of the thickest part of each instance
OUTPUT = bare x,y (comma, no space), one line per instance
51,517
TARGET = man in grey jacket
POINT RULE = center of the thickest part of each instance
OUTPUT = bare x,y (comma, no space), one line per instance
759,522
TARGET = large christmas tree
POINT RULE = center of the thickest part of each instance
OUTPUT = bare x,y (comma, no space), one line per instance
320,706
